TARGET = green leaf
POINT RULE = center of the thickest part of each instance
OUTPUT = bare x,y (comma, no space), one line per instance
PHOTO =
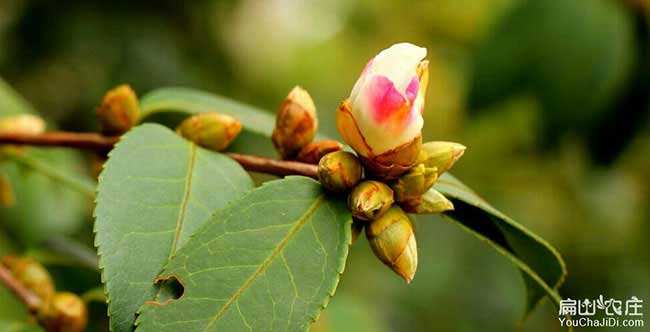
268,262
156,190
542,267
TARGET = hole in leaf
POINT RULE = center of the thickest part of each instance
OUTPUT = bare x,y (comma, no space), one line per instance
168,289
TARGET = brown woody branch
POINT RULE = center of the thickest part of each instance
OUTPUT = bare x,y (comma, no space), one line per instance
99,143
31,300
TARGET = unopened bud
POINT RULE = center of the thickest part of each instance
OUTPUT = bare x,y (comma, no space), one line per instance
65,313
212,131
431,202
441,155
357,228
339,171
295,124
32,275
7,197
119,111
22,124
414,183
369,200
312,152
393,242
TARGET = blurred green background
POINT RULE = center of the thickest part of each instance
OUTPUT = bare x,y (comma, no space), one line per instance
551,97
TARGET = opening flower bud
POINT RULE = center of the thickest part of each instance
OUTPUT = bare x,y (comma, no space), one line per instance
414,183
212,131
32,275
393,242
382,119
370,200
339,171
295,123
314,151
65,313
431,202
442,155
118,111
22,124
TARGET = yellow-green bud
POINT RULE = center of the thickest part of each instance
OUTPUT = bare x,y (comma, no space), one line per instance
369,200
119,111
414,183
7,197
393,242
32,275
357,228
312,152
295,123
65,313
431,202
212,131
339,171
441,155
22,124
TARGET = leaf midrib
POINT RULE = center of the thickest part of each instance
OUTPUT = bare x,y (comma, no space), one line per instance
267,261
186,198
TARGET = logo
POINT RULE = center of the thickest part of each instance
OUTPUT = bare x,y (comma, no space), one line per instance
601,313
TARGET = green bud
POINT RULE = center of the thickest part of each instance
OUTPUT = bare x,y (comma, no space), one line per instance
119,111
339,171
357,228
312,152
295,123
22,124
393,242
32,275
370,200
212,131
414,183
441,155
65,313
431,202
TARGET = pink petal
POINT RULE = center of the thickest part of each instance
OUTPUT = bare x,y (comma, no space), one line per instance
384,99
412,89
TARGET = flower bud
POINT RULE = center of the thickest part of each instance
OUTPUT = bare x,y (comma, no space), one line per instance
414,183
312,152
393,242
119,111
441,155
65,313
339,171
22,124
32,275
430,202
369,200
212,131
357,228
7,197
382,119
295,123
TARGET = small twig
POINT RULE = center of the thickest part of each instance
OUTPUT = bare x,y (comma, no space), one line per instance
25,295
101,143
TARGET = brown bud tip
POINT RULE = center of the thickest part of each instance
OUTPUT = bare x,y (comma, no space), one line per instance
212,131
314,151
393,242
339,171
357,228
442,155
295,124
66,313
7,197
369,200
431,202
118,111
22,124
32,275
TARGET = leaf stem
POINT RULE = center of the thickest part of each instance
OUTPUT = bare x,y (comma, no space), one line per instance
99,143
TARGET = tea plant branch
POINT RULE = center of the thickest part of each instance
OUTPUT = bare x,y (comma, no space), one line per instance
31,300
99,143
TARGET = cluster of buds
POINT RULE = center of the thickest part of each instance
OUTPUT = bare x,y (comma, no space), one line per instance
58,311
392,172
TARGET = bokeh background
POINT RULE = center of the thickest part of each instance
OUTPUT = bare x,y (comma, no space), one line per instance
551,97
